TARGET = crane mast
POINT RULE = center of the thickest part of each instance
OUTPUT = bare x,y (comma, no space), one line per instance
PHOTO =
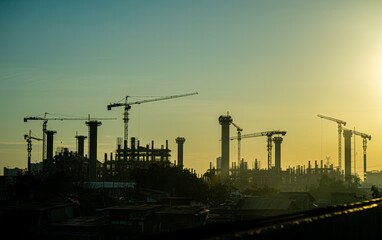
127,107
28,138
339,123
239,130
364,137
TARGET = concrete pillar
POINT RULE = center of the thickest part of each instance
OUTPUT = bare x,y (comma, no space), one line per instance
347,136
80,145
225,121
180,141
49,150
93,125
278,141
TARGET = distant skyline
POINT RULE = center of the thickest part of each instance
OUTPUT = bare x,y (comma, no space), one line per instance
270,64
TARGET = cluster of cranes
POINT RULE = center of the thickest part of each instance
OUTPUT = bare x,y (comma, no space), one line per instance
126,105
268,134
364,137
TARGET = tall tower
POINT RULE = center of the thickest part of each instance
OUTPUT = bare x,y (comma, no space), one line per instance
278,141
49,151
180,141
80,145
93,125
225,121
347,136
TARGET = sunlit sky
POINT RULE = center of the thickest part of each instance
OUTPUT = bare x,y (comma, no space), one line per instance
271,64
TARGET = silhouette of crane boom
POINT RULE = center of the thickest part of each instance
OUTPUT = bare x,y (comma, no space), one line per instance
269,135
127,106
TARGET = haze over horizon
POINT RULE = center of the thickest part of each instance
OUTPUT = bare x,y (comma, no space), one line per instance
271,65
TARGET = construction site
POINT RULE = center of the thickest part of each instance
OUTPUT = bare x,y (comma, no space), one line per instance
131,153
151,181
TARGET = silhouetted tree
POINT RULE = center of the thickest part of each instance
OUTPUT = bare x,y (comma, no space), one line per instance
327,185
375,193
172,179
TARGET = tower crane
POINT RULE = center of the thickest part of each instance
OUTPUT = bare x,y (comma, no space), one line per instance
28,138
364,137
340,123
46,119
127,107
239,130
269,135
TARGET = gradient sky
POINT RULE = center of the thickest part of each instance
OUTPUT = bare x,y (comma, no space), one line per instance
271,64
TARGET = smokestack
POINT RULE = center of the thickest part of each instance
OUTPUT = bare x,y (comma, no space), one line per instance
225,121
180,141
93,125
80,145
347,135
278,141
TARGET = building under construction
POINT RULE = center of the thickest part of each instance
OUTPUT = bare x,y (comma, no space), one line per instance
127,159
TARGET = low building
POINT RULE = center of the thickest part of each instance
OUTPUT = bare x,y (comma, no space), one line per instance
137,219
182,217
303,200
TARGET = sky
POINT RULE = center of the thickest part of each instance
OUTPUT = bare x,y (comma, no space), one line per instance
273,65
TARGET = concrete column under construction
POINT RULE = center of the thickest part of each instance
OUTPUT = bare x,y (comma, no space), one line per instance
80,145
49,150
347,135
225,121
49,145
93,125
180,141
278,141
